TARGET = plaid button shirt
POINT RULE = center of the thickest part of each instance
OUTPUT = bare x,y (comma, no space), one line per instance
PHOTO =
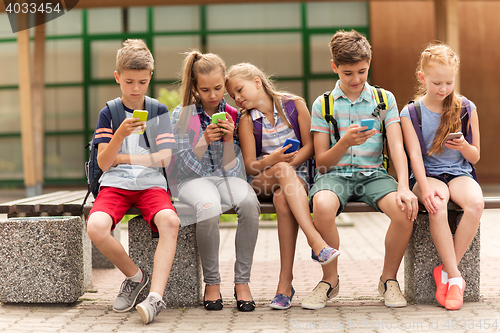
211,163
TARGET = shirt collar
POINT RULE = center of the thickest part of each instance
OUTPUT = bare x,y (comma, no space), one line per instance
365,94
199,108
256,114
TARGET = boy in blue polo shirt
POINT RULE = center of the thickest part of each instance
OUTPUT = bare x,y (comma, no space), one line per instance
132,178
351,169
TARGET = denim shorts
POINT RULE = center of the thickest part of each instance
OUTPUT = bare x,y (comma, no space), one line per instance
444,177
358,187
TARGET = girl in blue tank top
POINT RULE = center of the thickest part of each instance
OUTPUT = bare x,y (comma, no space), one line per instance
448,164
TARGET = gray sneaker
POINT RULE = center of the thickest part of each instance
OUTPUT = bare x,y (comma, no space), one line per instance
149,308
127,296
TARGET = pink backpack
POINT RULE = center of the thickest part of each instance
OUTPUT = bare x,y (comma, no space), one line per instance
194,135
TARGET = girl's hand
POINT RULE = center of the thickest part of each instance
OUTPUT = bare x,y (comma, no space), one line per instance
455,144
129,125
429,199
212,133
354,137
227,127
279,155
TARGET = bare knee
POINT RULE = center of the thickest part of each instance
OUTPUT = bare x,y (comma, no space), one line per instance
474,207
99,227
279,200
283,169
325,204
167,221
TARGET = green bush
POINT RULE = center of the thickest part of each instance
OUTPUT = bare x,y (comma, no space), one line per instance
171,98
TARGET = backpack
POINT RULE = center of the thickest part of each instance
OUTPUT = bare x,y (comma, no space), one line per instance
380,111
293,117
194,135
416,118
92,169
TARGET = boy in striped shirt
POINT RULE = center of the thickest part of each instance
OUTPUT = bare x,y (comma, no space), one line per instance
351,169
132,177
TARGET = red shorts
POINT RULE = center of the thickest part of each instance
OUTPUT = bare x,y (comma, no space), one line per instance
116,202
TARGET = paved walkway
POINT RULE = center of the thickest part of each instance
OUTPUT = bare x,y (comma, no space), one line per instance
358,308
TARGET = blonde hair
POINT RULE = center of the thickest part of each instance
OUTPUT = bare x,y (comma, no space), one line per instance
349,48
195,63
441,54
135,55
248,72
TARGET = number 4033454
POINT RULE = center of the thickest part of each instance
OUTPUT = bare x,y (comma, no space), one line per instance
32,7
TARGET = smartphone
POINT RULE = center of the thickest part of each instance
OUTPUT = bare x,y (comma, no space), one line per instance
143,116
295,145
367,122
217,116
452,136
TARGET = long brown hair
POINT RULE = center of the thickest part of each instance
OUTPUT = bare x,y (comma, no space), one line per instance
441,54
195,63
248,71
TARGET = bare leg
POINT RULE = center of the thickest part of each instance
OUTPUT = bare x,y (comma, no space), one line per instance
440,229
287,235
466,193
283,175
397,237
98,228
325,207
167,223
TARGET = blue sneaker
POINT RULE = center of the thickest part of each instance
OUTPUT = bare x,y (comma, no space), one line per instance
281,301
326,256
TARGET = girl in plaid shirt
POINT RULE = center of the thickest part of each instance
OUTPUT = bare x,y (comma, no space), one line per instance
208,170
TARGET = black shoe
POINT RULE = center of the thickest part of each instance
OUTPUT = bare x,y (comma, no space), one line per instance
216,305
244,306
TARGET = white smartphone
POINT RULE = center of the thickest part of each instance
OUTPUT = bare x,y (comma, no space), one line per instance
452,136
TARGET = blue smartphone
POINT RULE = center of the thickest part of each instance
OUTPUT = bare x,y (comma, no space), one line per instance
367,122
295,145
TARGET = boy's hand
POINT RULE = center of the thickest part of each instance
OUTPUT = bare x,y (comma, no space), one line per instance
406,199
227,127
130,125
354,137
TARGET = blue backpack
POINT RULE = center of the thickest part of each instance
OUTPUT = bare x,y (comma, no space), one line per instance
92,169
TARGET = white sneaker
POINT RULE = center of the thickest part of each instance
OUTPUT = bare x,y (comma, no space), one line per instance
150,307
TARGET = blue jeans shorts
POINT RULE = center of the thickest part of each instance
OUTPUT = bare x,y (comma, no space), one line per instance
444,177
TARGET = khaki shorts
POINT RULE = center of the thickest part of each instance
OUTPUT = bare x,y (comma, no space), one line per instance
368,189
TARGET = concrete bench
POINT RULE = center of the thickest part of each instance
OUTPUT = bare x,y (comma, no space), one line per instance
185,281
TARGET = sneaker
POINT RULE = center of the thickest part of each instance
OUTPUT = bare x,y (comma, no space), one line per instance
326,255
129,291
281,301
320,295
441,288
150,307
455,297
392,293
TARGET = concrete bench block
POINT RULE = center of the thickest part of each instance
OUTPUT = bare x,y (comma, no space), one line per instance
185,281
421,257
42,259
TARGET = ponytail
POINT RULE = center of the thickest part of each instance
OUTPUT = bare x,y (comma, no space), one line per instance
194,64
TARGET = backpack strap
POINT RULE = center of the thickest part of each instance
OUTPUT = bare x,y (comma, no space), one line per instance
194,128
415,111
381,111
232,112
257,133
327,111
293,117
465,117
